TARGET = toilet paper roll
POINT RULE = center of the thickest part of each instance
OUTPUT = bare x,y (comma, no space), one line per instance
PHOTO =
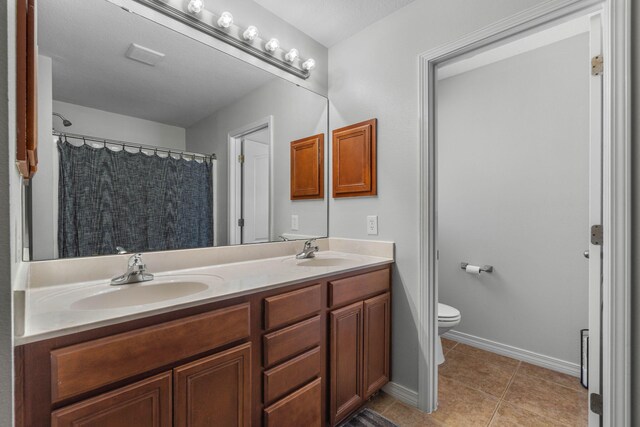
472,269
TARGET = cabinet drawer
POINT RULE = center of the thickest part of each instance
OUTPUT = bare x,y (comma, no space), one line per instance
145,403
302,408
288,342
292,374
358,287
282,309
87,366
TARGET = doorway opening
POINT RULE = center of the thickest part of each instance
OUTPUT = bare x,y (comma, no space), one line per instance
250,192
607,401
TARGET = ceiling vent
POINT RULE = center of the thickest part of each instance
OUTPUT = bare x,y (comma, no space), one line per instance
144,55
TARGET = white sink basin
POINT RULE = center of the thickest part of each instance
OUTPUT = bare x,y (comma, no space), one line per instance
158,290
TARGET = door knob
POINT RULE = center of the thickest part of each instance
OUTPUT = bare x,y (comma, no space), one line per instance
586,254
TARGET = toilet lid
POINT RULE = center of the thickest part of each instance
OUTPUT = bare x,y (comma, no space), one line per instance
447,312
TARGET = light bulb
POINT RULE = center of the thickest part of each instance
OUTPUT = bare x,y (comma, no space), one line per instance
225,20
272,45
309,64
250,33
292,55
195,6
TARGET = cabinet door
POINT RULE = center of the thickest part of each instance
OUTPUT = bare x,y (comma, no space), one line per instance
376,343
215,390
346,361
144,404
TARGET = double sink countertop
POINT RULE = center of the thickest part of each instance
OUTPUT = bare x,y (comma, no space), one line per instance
61,309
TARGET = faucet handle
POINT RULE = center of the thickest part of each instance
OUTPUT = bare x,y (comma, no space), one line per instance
135,259
309,242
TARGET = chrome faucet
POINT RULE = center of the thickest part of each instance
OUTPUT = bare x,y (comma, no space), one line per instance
136,272
309,250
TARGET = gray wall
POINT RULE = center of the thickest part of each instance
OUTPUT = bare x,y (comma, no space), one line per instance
513,175
375,74
6,330
104,124
635,221
297,113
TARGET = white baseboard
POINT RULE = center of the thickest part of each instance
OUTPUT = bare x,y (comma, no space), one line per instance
516,353
401,393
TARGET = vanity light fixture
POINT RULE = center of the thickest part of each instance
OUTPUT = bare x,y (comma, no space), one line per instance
225,20
309,64
272,45
195,6
292,55
223,29
250,33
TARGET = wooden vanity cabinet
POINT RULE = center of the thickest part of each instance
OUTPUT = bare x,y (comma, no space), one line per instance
359,341
146,403
308,354
215,390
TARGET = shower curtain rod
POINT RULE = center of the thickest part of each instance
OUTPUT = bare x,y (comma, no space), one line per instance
106,141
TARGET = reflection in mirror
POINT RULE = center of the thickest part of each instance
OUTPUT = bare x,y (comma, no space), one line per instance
151,140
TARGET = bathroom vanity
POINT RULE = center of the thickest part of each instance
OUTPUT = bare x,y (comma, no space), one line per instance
306,352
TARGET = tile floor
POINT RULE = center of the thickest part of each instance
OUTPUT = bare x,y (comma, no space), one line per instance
479,388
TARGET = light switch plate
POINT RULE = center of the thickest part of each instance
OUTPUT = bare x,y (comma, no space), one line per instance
372,224
295,225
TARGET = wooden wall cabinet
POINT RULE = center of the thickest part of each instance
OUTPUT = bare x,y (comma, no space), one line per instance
307,168
354,160
26,91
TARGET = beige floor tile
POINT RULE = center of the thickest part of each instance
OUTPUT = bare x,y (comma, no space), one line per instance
553,376
462,406
487,356
407,416
380,402
548,399
448,344
511,416
476,373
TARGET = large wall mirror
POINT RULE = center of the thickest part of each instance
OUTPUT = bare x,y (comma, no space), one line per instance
150,140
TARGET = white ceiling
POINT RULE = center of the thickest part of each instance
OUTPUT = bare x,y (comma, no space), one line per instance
87,41
330,21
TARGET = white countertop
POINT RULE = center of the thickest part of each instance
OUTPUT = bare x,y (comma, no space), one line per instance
58,310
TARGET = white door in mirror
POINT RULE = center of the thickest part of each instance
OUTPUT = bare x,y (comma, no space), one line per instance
255,194
372,225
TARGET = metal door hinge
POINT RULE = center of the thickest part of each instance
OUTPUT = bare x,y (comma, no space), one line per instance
597,65
596,235
241,222
595,403
241,158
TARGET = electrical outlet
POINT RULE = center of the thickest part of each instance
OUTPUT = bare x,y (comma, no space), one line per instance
372,224
295,225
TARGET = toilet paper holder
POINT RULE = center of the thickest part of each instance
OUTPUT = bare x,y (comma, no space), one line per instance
484,268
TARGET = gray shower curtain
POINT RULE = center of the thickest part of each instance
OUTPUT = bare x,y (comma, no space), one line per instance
141,202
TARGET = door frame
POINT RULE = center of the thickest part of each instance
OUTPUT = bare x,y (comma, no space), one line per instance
234,198
616,313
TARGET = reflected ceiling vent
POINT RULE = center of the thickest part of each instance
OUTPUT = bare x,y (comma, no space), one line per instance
144,55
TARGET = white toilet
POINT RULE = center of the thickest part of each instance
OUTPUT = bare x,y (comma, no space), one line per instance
448,318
